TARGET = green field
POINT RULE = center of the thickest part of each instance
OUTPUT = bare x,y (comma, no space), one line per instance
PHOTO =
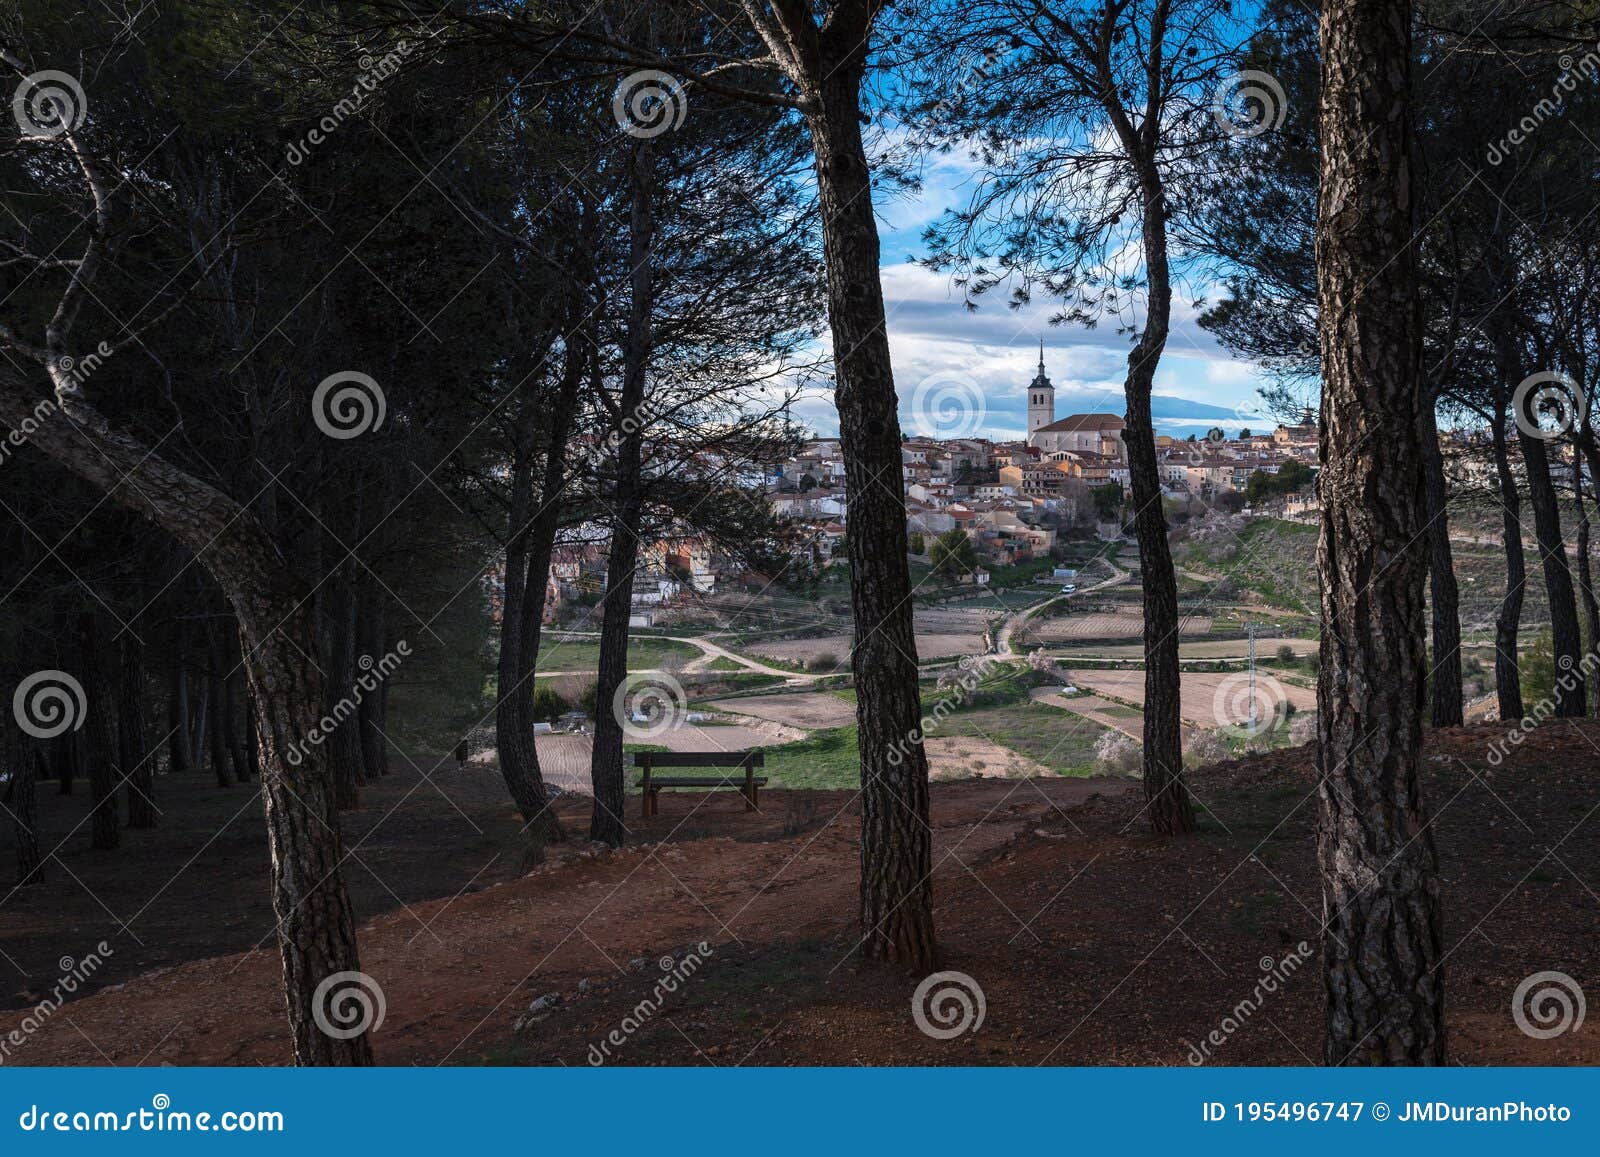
1061,741
643,652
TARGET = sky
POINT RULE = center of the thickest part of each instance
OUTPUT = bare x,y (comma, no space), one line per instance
961,373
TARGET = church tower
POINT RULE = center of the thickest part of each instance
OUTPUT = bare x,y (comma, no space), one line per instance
1041,398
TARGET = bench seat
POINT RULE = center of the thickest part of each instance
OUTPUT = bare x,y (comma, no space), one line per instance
701,781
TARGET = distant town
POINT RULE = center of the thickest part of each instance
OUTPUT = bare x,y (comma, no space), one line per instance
1012,500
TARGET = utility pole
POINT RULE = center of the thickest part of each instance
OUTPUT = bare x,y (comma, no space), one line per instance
1251,627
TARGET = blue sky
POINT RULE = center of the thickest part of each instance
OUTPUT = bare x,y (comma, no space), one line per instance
932,335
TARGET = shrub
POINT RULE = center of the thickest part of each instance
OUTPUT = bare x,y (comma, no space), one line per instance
548,705
1117,754
1202,747
824,661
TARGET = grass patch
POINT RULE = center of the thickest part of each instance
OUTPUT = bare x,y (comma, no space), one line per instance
736,684
826,760
1060,741
643,652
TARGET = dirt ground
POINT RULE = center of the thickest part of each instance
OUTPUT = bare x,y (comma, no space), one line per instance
929,646
1104,625
1197,649
807,710
1206,699
1091,941
1102,711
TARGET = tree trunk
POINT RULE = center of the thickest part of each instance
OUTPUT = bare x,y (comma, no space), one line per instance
344,743
237,718
69,760
252,737
1445,667
1171,811
316,927
138,762
1508,621
1382,946
200,737
1591,606
896,839
216,706
1566,639
606,771
530,545
23,759
1590,451
370,642
100,732
179,755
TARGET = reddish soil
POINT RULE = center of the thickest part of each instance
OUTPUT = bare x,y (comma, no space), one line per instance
1093,942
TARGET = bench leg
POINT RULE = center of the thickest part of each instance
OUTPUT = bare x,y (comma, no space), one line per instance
749,794
649,803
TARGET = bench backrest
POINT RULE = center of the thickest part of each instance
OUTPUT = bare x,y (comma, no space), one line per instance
699,759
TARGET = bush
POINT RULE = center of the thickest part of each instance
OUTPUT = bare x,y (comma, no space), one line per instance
1202,747
548,705
1118,754
1286,655
823,661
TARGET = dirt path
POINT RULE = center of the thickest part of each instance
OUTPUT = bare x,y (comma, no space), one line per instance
709,652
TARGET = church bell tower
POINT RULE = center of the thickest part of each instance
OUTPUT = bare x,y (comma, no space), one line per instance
1041,398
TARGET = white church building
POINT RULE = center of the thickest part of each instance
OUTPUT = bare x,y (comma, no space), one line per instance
1093,435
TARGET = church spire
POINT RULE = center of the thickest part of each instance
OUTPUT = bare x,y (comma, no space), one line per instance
1041,397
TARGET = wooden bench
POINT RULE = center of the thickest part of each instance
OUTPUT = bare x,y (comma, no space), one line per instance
651,783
